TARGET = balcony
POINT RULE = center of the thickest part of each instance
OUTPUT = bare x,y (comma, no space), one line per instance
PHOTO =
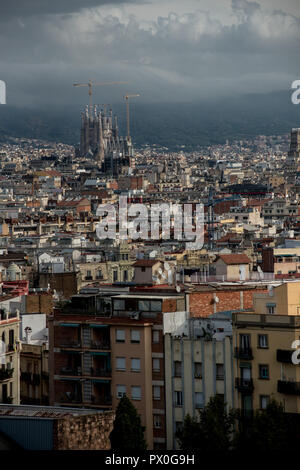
71,345
88,278
284,355
100,345
7,400
6,374
288,387
26,376
104,401
36,379
100,372
71,371
244,385
243,353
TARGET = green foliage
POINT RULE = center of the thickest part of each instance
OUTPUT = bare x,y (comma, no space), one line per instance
272,429
214,431
127,433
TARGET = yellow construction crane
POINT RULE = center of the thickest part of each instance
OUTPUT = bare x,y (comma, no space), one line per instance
126,98
90,84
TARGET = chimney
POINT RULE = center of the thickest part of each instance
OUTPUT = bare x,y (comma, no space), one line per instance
28,332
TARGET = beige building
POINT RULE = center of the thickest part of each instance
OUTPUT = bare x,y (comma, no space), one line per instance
198,365
232,267
263,367
34,368
280,300
9,357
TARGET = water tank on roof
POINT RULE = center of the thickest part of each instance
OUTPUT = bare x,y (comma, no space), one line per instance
13,272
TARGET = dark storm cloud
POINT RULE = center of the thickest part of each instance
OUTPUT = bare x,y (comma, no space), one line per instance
24,8
175,56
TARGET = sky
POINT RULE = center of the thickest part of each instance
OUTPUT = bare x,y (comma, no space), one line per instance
167,50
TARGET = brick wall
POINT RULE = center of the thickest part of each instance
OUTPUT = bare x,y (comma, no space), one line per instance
202,303
39,303
90,432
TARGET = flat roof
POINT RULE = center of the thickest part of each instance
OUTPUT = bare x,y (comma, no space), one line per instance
53,412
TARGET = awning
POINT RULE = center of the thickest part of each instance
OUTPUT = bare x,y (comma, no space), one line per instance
94,325
98,353
69,324
101,381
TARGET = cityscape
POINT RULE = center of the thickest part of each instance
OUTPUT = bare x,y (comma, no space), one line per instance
144,341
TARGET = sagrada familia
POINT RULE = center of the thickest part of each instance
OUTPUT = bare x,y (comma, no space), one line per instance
99,139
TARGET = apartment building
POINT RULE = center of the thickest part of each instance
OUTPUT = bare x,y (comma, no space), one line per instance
34,360
283,299
198,365
263,367
103,346
9,357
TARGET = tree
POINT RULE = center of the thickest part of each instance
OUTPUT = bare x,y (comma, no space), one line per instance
272,429
127,433
213,431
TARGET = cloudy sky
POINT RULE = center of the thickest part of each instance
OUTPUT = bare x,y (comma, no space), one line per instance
167,50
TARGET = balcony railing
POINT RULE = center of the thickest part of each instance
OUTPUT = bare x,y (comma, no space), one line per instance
100,372
288,387
6,374
100,345
71,345
7,400
243,353
244,385
26,376
101,400
71,371
70,399
284,355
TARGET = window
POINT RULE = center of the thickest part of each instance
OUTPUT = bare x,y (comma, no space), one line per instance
157,421
89,273
125,276
263,371
136,393
115,276
135,364
263,341
264,401
120,336
199,400
177,368
178,426
198,370
220,371
149,305
156,365
271,309
121,391
178,398
156,392
135,336
244,342
143,269
120,363
119,304
155,336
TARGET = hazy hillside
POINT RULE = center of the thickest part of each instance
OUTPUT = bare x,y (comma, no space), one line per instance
172,125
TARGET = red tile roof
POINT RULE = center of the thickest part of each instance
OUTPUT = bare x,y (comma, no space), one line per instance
145,263
235,259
